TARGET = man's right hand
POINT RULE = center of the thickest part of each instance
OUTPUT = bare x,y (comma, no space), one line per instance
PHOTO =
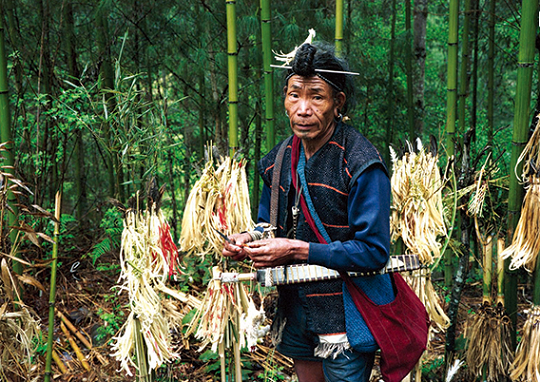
235,248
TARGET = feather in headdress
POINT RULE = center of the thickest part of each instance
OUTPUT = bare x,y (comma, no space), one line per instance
287,58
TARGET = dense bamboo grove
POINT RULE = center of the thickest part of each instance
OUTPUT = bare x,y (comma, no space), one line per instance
99,97
168,67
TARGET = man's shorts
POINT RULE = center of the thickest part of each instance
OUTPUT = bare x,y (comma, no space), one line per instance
298,342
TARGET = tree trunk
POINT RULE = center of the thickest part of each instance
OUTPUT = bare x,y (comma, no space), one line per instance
390,89
266,33
491,74
464,75
6,136
15,38
474,88
529,22
463,263
47,150
107,83
451,103
419,43
408,68
73,69
217,107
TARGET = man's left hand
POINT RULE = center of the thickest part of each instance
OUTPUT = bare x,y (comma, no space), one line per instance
275,252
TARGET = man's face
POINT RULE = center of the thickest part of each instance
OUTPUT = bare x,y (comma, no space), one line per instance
311,107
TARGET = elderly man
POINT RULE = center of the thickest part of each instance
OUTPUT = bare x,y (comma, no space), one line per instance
333,211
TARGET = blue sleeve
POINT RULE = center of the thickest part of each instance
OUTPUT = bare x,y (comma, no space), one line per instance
369,218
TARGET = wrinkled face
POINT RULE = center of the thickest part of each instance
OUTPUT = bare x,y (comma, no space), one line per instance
311,106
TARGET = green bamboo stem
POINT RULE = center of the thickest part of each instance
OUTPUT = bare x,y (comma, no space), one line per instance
266,35
488,268
141,355
5,136
500,271
339,28
464,75
390,88
451,94
409,70
491,74
232,62
52,295
451,103
536,291
529,19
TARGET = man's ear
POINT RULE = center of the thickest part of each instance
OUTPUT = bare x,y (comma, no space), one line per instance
339,102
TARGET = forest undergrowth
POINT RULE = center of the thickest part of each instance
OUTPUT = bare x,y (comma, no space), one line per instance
87,296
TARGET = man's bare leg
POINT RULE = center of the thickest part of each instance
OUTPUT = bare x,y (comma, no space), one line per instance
309,371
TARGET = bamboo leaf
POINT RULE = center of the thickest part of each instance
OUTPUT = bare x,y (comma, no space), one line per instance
27,279
3,309
7,280
46,237
21,184
43,211
33,238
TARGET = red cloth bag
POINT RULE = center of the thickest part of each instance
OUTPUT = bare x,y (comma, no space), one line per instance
400,328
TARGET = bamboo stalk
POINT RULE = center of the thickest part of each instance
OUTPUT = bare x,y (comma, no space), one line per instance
500,271
75,331
237,362
221,351
59,362
52,295
529,17
232,52
266,36
141,355
339,28
82,338
491,74
451,106
488,268
408,68
75,347
8,156
464,75
236,339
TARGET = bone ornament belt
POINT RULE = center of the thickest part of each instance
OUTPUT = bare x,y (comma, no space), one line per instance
301,273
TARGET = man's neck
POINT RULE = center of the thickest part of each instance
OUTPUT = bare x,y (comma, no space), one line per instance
311,146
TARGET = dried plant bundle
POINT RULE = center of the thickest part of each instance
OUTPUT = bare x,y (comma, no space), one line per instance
526,240
147,259
489,344
526,365
530,156
227,306
417,218
219,200
19,328
417,208
420,282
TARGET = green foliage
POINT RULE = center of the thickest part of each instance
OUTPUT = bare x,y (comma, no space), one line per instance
40,344
112,322
111,238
